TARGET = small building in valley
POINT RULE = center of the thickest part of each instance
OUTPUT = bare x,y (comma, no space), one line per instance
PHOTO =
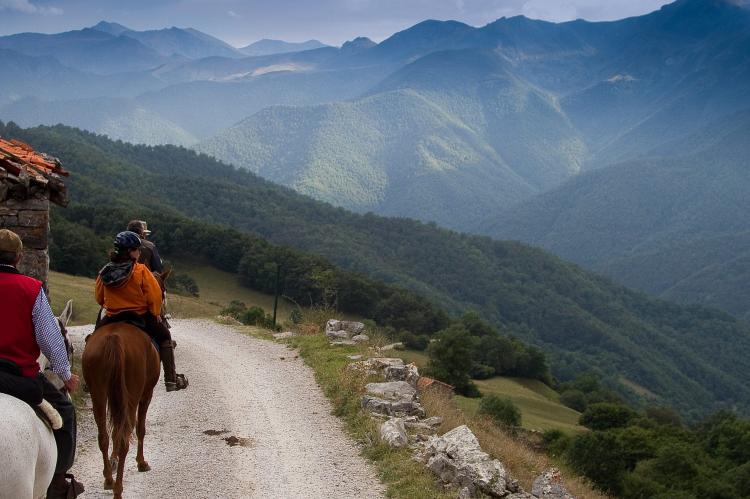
29,182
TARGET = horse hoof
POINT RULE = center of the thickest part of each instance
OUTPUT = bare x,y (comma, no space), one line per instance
144,466
108,484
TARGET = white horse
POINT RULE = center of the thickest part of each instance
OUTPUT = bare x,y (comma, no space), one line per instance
28,452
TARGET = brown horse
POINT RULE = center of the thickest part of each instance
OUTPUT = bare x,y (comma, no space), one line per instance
121,369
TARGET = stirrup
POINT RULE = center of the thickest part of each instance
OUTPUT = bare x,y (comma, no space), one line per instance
180,384
75,488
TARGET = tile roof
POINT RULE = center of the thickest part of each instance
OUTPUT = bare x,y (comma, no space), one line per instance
21,164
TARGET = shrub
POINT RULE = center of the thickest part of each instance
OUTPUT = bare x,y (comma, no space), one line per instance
183,284
605,415
556,442
415,342
481,371
296,316
253,316
235,309
575,399
501,409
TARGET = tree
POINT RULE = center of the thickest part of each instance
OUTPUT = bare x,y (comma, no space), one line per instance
599,456
451,359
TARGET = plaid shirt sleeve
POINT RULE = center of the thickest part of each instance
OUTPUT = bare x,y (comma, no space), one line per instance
49,338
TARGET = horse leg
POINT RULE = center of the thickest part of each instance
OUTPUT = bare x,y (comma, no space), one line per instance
122,454
100,416
141,430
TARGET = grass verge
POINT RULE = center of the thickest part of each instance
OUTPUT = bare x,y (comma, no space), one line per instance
404,477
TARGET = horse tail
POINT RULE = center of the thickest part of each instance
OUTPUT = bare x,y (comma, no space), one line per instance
120,420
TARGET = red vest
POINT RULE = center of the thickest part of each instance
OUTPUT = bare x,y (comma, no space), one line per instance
18,294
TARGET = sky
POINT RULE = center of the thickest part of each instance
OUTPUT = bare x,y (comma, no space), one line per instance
240,22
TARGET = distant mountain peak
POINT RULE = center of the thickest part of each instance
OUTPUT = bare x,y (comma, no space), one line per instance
115,29
359,43
267,46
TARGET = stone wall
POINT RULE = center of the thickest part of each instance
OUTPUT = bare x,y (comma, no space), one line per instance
29,218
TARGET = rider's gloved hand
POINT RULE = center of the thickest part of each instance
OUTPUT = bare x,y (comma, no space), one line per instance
72,384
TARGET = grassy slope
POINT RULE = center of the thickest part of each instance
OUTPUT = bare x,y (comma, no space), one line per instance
220,289
539,404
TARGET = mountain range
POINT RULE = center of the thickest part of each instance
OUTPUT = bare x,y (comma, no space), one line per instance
596,140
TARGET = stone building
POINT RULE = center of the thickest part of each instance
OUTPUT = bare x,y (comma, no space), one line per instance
29,182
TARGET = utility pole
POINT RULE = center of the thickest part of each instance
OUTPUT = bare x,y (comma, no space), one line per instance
276,295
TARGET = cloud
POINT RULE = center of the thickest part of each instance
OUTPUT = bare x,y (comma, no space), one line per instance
231,13
552,10
26,7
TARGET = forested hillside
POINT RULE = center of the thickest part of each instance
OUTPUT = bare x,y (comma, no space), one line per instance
448,138
690,357
674,224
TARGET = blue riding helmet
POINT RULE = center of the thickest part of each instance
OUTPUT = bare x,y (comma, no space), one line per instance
127,240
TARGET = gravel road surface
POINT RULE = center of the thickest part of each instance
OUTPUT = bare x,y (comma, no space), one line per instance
252,393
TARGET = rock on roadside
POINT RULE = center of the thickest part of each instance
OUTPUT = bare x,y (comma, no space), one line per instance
549,485
457,459
393,432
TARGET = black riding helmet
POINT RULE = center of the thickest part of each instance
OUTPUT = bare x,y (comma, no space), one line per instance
127,240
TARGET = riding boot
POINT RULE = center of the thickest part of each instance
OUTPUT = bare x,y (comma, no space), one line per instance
58,488
172,380
61,488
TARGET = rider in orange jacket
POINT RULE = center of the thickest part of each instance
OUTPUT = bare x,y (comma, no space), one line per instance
128,291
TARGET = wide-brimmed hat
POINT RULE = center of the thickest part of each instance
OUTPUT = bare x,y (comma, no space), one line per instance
139,226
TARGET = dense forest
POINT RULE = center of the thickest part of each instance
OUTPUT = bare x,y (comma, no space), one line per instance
690,357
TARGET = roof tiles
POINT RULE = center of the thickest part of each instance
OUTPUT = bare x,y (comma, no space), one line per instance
21,164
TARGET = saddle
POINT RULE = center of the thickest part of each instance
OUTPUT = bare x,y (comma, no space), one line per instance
126,318
28,390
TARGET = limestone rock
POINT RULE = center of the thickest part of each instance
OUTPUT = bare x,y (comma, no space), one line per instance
401,372
434,421
392,407
337,335
392,390
350,327
457,458
284,335
360,338
347,343
354,357
393,432
549,485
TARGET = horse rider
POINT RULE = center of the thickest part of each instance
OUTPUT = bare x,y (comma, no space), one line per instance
129,292
27,328
149,254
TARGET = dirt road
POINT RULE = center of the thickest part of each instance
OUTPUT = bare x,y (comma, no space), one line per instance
243,391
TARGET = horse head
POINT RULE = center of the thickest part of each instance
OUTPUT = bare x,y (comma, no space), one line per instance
44,366
161,278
